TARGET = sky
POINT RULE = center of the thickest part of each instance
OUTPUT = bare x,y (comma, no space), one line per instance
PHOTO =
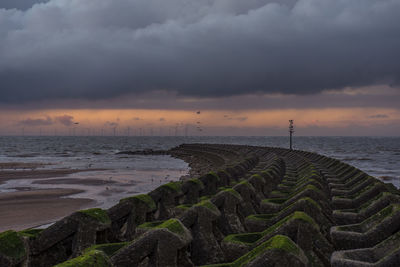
199,67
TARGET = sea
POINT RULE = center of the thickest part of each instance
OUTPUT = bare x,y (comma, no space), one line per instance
125,175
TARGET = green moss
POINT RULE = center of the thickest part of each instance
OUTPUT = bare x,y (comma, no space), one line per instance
309,181
11,245
173,225
108,249
233,183
144,198
245,182
261,217
150,224
392,189
93,258
98,214
274,200
311,201
266,174
184,206
387,211
233,192
297,215
279,242
380,216
208,204
307,199
369,202
257,176
359,193
247,238
32,233
365,189
223,188
195,181
174,186
307,187
205,198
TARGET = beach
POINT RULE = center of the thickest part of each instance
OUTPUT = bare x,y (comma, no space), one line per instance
35,194
25,209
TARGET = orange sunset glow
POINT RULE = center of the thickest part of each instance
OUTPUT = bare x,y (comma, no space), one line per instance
160,122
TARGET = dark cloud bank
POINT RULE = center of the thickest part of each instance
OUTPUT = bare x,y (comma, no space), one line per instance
105,48
65,120
19,4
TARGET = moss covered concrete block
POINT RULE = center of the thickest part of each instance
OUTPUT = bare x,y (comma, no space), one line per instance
93,258
99,215
12,248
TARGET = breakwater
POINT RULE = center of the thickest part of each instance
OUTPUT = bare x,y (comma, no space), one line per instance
243,206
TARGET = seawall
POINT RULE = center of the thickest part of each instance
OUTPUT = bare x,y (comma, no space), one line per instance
243,206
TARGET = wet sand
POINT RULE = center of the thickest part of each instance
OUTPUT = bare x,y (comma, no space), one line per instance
24,209
22,165
39,174
76,181
46,194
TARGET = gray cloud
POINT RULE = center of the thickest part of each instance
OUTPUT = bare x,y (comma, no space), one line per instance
36,122
19,4
65,120
379,97
379,116
227,117
112,124
103,48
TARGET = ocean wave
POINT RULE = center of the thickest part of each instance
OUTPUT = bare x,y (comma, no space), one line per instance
356,159
26,155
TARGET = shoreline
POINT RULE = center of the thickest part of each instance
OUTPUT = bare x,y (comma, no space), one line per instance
39,174
48,195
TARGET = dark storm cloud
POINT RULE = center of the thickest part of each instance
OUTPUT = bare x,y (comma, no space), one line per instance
19,4
103,48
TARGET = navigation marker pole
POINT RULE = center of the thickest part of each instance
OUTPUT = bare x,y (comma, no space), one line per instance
291,131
